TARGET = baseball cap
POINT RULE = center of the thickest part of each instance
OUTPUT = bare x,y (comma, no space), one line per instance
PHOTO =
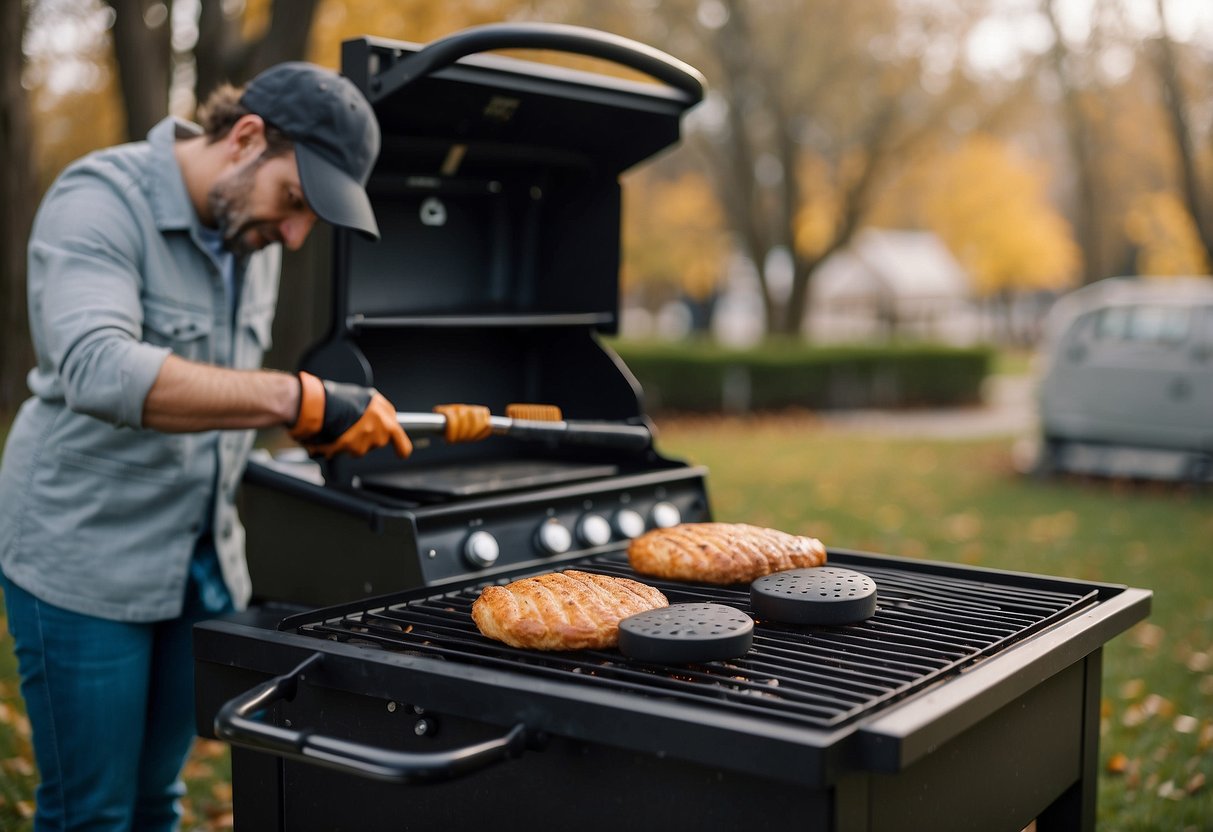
335,133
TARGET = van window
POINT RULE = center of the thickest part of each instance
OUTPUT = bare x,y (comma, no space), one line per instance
1144,324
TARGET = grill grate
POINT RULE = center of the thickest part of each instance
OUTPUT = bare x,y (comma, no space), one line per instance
926,627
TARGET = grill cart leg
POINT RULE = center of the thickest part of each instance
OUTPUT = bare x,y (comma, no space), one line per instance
256,791
1075,808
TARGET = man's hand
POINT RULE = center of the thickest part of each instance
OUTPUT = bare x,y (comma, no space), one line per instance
345,418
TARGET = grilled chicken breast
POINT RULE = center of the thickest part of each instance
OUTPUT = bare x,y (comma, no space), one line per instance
721,553
567,610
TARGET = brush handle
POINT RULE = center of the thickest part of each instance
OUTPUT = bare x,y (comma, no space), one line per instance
602,434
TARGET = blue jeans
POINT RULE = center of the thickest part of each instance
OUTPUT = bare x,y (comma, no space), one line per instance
111,705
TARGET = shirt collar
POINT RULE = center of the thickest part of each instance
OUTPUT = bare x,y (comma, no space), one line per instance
170,202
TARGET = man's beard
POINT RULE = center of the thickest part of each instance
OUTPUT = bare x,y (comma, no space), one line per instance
228,200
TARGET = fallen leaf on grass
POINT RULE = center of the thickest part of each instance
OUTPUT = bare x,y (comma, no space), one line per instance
222,792
1117,763
209,749
962,527
1167,791
1052,528
196,770
18,765
972,553
889,518
25,808
217,813
1185,724
1199,662
1147,635
1155,704
1195,783
1132,688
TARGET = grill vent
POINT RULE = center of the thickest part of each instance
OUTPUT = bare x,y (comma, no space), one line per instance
927,626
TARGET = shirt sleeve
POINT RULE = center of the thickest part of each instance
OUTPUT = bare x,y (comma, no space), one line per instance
85,288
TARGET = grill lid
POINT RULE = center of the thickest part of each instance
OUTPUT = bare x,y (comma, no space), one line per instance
498,197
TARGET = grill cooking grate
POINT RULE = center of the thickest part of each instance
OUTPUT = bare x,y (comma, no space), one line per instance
927,627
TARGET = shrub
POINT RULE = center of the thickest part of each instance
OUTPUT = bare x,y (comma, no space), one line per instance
704,377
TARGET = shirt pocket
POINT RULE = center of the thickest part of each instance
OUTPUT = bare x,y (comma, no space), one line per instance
187,332
256,336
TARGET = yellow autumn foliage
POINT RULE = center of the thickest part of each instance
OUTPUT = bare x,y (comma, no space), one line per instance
1165,235
992,210
817,217
418,21
674,234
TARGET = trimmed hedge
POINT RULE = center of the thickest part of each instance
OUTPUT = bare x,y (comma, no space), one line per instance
704,377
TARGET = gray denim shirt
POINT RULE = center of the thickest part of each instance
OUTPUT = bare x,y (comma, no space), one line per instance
98,514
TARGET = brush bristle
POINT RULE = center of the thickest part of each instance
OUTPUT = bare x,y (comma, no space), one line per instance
534,412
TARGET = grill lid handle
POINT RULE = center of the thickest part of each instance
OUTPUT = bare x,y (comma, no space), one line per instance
558,37
235,723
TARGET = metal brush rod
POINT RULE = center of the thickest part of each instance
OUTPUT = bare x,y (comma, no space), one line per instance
607,434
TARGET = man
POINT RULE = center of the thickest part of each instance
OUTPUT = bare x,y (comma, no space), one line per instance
153,277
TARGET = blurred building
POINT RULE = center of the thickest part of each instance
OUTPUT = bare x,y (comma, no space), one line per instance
887,284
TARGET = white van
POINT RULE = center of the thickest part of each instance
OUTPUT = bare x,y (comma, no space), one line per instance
1126,384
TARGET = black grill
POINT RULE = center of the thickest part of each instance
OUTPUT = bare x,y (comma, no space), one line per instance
926,628
969,700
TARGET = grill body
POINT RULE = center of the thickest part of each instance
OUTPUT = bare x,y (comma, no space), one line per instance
982,717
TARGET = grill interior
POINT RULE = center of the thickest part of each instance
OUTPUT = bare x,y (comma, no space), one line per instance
927,627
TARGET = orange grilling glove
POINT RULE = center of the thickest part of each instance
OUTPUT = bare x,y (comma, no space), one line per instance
345,418
465,422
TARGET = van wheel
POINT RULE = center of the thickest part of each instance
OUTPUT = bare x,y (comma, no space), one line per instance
1048,458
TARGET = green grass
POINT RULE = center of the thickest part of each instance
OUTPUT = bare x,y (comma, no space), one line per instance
951,501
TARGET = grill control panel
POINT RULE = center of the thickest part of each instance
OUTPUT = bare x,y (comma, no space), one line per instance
545,528
347,546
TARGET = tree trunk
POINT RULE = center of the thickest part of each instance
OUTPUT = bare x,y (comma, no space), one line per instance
18,201
1087,219
224,56
144,51
1176,106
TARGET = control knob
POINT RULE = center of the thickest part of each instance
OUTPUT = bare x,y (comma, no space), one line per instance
665,515
481,549
553,538
628,523
594,530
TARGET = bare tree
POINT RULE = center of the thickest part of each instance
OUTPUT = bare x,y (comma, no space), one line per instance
142,34
824,81
223,54
18,187
1080,140
143,48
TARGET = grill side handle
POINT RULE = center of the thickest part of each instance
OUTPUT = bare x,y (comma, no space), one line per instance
558,37
236,723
